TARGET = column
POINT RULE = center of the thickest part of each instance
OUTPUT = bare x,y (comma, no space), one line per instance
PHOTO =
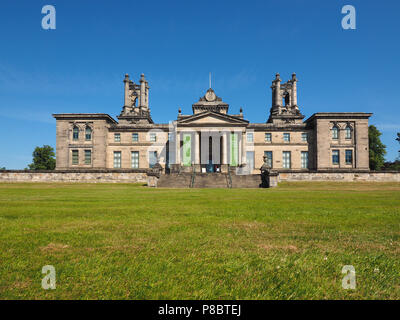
224,148
197,148
243,155
178,147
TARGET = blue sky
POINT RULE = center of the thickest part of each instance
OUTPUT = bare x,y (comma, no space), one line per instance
79,67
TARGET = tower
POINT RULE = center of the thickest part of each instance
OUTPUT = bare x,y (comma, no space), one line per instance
284,101
136,101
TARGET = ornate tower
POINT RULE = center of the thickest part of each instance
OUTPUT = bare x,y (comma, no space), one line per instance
284,101
136,102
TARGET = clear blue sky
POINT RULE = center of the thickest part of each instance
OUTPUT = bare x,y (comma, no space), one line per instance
79,67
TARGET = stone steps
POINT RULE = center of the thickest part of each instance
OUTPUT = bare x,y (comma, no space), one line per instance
182,180
209,180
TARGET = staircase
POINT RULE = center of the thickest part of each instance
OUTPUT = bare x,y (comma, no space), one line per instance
209,180
175,180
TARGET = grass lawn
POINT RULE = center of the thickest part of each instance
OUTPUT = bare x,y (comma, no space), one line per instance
123,241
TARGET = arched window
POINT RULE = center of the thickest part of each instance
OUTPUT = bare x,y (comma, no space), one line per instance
348,132
88,133
75,133
335,132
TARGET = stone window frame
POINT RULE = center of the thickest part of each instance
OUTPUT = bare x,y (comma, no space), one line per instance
117,160
271,160
345,156
268,134
333,157
138,159
75,152
115,137
91,156
304,134
75,132
335,131
348,132
248,135
306,165
152,137
284,160
135,134
286,136
87,126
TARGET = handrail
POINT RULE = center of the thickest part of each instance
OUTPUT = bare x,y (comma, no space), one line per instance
229,177
193,176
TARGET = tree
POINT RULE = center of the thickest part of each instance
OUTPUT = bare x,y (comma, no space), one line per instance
377,149
43,159
398,139
3,168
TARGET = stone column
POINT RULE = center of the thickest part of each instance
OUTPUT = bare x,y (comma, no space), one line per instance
294,90
278,90
142,91
178,148
126,98
224,148
243,155
197,148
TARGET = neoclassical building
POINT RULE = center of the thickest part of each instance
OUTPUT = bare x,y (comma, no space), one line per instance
211,139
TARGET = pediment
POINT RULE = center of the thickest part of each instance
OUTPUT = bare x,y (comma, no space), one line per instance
212,118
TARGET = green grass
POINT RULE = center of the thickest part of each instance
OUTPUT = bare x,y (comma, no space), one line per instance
123,241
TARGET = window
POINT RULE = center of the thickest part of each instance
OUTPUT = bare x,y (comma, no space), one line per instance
335,156
88,156
335,133
135,137
250,137
75,133
135,159
304,136
88,133
152,158
153,137
117,159
348,132
268,154
286,137
304,159
250,159
117,137
349,156
75,157
286,161
267,137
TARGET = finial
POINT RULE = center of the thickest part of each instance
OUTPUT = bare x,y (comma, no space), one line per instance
210,79
278,76
241,110
179,110
294,76
126,77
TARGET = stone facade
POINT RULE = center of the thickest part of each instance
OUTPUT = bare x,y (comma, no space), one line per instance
211,139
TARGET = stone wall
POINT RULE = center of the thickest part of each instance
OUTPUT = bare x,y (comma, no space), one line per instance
92,176
389,176
146,176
